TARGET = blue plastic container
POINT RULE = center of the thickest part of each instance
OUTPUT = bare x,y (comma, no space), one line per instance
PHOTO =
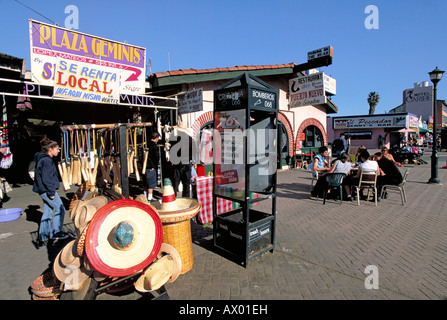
10,214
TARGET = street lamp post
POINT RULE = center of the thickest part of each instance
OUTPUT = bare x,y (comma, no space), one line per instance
435,77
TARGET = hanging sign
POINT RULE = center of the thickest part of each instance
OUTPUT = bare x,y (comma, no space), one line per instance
83,66
307,90
191,101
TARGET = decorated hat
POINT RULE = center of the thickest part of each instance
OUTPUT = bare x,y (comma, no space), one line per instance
68,267
46,285
172,209
123,238
167,249
158,273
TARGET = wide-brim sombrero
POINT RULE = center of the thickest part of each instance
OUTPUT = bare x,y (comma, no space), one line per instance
68,267
156,275
172,209
183,209
123,238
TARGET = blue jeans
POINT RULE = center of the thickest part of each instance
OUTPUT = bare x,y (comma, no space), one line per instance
53,216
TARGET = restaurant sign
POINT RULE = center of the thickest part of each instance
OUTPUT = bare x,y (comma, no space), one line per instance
85,67
383,121
307,90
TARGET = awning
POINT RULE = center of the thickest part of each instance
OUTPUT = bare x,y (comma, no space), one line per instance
408,130
423,130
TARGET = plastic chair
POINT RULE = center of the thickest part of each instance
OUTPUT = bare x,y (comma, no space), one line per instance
399,187
334,180
368,180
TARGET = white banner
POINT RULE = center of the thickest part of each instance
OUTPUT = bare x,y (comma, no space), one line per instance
115,66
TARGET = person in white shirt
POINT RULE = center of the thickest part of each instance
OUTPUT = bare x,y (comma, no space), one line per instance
365,165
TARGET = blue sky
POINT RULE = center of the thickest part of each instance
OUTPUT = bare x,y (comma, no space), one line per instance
410,40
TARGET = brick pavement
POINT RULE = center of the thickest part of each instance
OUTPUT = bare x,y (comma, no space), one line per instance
321,251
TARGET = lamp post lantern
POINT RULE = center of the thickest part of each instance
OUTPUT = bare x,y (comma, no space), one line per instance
435,77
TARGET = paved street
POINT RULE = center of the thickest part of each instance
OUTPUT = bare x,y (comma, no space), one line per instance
321,250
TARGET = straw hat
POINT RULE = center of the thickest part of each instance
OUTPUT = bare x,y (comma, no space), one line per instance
96,203
175,210
158,273
123,237
170,250
68,267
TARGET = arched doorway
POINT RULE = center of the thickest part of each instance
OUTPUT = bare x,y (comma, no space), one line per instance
313,137
310,134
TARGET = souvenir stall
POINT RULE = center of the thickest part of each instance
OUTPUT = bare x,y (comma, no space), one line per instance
122,240
245,157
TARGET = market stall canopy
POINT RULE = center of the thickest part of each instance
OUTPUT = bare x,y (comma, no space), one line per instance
406,130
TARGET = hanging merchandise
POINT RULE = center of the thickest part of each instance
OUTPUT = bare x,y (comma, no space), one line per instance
62,165
135,159
6,161
145,151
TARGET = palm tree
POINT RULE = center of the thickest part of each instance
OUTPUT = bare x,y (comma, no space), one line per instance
373,100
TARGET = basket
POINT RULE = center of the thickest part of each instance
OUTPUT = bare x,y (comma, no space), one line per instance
178,235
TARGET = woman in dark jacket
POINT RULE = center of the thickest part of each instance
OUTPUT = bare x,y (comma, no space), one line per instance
46,182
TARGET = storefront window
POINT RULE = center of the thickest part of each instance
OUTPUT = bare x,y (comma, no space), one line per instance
313,137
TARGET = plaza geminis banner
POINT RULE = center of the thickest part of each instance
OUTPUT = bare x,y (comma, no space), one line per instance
85,67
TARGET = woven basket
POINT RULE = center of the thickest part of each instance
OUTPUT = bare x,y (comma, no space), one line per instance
178,235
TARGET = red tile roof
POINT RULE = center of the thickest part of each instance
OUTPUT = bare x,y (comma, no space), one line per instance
236,68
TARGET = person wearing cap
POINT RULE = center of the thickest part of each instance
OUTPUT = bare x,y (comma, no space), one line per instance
46,183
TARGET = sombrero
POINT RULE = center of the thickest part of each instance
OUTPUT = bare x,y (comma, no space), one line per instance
156,275
170,250
68,267
175,210
123,238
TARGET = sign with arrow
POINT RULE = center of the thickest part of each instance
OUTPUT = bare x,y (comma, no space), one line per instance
93,61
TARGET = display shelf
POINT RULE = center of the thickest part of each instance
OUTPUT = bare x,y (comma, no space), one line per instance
245,155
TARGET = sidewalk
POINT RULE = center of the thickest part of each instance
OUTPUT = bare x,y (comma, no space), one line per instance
321,250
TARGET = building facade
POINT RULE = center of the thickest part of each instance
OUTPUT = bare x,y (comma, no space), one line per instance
299,126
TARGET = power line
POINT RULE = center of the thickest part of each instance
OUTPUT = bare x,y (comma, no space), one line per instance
36,12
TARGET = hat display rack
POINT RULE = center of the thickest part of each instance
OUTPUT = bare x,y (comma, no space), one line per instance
119,245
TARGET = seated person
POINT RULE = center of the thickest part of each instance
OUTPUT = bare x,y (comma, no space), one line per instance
388,155
391,174
359,151
365,165
321,161
341,165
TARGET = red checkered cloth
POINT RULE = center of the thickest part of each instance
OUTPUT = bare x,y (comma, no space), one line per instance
204,187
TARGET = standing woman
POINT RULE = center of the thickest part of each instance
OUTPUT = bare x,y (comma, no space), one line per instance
46,182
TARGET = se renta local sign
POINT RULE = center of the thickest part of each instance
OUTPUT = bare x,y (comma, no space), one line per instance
85,67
